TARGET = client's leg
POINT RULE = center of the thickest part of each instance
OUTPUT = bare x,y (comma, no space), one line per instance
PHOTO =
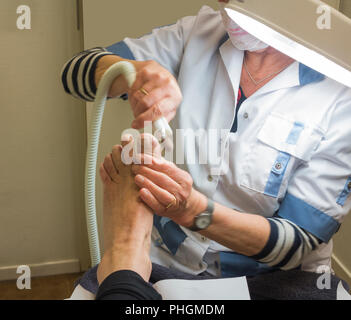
127,221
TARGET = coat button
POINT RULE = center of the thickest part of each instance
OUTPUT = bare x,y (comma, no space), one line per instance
210,178
278,166
246,115
349,186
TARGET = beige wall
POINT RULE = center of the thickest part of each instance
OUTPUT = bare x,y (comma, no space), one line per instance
333,3
345,6
108,21
342,251
42,138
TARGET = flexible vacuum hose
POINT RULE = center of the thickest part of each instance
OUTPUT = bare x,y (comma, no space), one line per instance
128,71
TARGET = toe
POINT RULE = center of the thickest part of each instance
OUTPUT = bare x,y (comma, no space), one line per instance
110,168
122,156
150,145
105,178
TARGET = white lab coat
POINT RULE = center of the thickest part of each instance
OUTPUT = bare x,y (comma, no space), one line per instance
291,154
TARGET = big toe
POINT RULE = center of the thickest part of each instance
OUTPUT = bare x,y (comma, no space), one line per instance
149,145
122,156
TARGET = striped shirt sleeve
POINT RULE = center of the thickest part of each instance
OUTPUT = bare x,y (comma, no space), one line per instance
287,246
78,74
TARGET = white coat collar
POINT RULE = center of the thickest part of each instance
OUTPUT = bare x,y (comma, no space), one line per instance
233,62
296,74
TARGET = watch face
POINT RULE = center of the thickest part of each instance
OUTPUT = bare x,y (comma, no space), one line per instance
203,222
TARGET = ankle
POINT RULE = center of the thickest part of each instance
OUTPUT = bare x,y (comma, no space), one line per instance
133,259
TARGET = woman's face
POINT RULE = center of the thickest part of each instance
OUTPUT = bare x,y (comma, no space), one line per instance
240,38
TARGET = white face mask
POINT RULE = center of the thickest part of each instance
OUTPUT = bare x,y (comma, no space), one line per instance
241,39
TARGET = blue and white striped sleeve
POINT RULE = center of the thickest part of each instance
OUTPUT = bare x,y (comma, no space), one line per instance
78,74
287,246
164,45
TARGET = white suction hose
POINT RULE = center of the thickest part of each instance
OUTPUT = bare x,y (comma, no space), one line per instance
128,71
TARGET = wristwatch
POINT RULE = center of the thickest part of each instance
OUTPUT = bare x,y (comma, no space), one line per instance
204,219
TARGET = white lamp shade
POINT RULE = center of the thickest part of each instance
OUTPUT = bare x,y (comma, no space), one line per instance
294,27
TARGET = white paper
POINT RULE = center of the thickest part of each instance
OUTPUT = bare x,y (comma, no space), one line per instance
217,289
80,293
342,294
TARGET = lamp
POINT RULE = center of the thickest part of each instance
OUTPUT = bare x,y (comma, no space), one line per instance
294,28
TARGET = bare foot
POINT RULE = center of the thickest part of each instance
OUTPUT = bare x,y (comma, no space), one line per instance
127,221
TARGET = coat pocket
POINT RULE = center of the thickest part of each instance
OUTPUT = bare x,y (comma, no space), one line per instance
281,145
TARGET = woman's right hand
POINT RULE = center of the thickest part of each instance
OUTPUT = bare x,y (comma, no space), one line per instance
160,97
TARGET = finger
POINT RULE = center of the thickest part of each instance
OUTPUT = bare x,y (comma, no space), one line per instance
150,115
138,83
148,198
148,83
170,114
159,179
110,168
136,101
155,95
163,196
164,108
148,74
166,167
145,97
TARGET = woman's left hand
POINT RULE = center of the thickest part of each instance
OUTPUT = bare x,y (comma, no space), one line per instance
168,190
